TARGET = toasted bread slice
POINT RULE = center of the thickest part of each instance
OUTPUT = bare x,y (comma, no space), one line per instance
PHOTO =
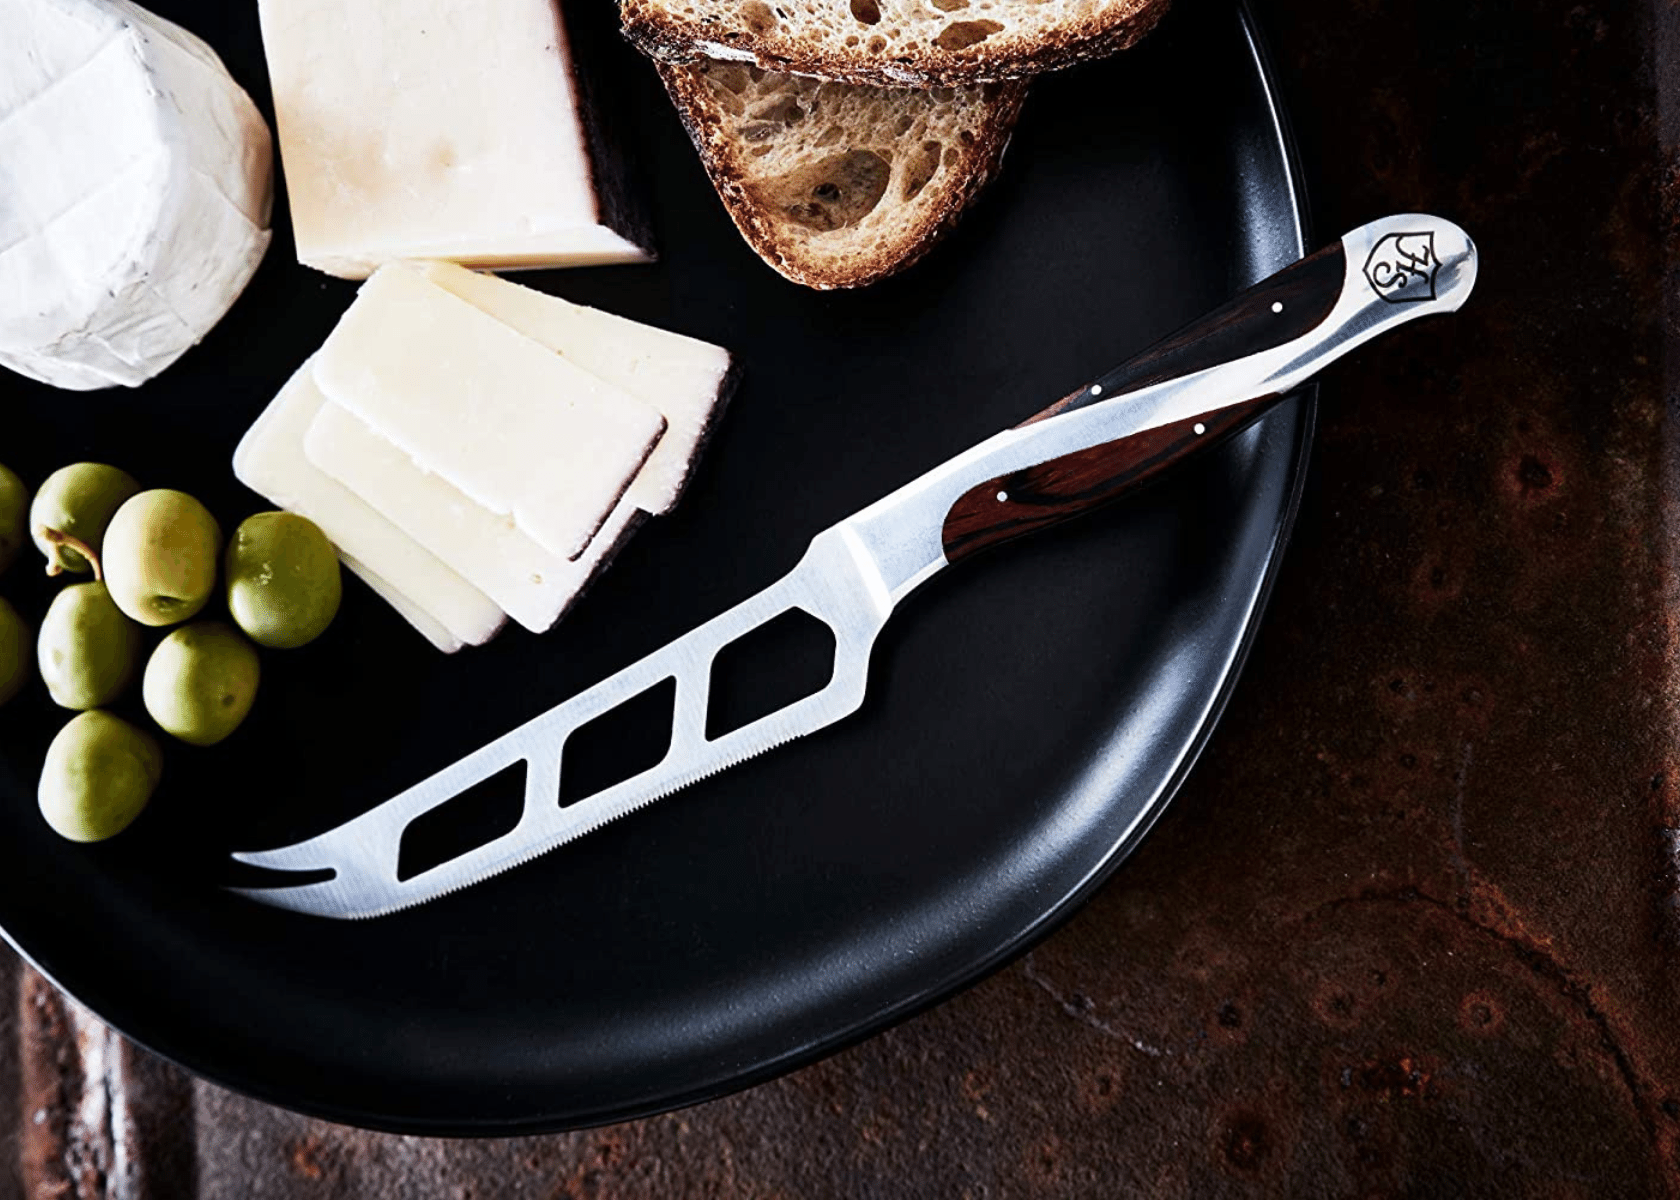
836,185
902,43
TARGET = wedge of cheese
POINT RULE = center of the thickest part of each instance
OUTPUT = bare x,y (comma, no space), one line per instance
270,460
440,129
684,378
520,430
531,585
135,186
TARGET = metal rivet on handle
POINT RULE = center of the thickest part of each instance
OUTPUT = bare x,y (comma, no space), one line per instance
1003,497
1200,428
1277,306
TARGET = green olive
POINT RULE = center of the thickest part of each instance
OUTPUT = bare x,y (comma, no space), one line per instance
70,513
14,652
87,650
160,556
201,681
99,773
282,579
14,516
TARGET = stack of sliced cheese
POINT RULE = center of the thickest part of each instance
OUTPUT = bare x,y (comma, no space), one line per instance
477,449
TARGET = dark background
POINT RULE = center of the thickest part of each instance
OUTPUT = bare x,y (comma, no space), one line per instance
1410,930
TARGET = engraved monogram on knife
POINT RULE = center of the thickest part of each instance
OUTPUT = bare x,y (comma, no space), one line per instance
1402,267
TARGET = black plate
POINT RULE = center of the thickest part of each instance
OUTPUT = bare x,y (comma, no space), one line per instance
1028,716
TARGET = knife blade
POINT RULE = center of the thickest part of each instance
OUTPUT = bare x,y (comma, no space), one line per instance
1177,398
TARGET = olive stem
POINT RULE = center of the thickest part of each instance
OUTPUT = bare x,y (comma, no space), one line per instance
57,537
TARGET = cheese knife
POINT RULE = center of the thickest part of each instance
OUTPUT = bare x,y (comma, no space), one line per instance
1186,393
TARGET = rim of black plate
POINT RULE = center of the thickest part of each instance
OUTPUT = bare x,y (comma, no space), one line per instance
1024,941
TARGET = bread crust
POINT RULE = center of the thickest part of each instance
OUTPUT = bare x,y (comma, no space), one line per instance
722,158
1000,57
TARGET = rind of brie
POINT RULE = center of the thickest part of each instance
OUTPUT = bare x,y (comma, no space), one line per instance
137,178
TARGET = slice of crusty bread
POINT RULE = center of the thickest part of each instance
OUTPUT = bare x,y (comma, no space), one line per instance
892,42
833,184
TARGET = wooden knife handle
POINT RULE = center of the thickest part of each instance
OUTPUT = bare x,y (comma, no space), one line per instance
1279,309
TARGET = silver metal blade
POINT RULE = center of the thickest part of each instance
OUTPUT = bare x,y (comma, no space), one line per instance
850,579
836,582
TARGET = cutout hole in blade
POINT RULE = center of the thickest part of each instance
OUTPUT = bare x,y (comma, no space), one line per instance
481,814
789,657
619,744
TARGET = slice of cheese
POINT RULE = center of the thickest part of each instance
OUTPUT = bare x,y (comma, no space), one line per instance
686,379
433,129
520,430
533,586
270,460
427,625
135,186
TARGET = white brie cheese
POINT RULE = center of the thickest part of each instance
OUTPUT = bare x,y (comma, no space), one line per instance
683,377
518,429
135,186
270,460
438,129
531,585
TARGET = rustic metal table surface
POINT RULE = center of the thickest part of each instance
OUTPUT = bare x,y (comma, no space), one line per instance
1411,929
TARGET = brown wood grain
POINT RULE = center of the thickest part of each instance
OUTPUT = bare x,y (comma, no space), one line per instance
1243,325
1021,502
1278,309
